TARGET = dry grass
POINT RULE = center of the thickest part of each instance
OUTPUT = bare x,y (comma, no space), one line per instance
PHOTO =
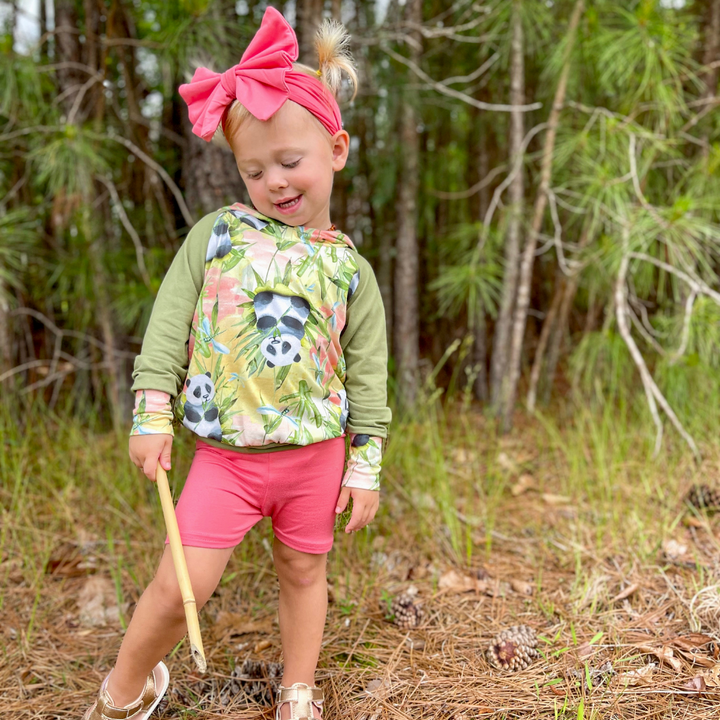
580,554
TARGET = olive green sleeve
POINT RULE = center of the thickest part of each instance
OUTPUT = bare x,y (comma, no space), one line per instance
364,345
163,360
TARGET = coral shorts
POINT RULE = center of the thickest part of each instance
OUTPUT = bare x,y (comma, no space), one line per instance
227,492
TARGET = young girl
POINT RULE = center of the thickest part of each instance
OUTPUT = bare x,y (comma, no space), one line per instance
269,334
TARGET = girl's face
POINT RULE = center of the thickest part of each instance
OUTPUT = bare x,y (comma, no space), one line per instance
287,164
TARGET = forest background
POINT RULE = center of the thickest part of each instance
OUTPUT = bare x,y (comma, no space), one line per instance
535,183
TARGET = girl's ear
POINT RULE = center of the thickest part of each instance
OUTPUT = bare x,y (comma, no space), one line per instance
340,143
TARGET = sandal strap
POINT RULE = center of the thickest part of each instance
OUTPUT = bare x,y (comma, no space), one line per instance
303,697
106,709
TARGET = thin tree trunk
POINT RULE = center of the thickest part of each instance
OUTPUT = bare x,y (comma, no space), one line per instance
309,17
510,387
67,49
5,336
101,283
711,55
548,324
480,386
516,192
712,49
407,321
553,355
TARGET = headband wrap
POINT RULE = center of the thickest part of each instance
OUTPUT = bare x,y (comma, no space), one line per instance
261,82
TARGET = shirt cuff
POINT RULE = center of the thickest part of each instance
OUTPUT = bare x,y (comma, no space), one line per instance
363,464
153,414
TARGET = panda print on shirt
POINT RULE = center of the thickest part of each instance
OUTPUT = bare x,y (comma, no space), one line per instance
220,243
201,413
284,318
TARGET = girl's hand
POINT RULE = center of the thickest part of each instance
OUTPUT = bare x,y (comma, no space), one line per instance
365,505
147,450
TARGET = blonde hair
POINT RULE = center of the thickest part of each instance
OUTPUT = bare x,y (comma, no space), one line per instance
332,43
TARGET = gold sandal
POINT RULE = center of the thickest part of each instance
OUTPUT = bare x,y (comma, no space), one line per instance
301,697
155,687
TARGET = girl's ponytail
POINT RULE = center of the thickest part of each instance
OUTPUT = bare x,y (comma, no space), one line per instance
332,43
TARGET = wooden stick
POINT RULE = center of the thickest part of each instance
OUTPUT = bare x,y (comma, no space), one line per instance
191,616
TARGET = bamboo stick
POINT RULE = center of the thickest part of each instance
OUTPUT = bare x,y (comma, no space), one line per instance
191,616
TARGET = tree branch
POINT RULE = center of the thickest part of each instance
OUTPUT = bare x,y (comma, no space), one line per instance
456,93
139,250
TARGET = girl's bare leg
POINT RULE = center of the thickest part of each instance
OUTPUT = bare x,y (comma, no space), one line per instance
158,623
303,606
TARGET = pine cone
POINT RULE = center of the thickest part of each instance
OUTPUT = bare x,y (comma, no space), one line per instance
703,496
513,649
257,680
406,614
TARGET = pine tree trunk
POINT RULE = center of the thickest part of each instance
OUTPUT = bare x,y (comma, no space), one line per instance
711,52
522,302
548,325
309,17
570,291
516,192
67,49
209,173
406,329
711,55
5,335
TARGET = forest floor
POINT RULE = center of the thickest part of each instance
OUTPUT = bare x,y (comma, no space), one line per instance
570,529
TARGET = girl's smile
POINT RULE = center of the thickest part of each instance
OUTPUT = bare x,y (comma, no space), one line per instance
288,207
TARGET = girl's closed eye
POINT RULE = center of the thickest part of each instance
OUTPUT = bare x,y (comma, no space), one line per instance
291,164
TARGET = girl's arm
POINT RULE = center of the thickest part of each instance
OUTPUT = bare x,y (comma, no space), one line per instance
161,366
364,344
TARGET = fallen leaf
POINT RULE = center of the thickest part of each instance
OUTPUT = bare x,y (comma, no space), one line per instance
664,654
626,593
373,685
586,650
453,582
696,684
524,483
97,602
229,624
712,677
636,677
262,645
66,560
522,587
692,642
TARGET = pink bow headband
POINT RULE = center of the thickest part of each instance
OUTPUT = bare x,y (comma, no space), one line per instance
262,81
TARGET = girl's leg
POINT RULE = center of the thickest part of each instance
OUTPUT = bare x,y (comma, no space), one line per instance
158,622
303,606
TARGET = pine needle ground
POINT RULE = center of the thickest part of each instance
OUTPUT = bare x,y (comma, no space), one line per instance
573,531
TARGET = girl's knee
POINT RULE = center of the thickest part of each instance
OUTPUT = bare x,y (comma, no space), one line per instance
298,568
166,597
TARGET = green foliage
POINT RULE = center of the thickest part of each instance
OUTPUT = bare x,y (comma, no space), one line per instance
18,231
471,281
67,163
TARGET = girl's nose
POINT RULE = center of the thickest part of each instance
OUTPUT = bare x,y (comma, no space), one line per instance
276,179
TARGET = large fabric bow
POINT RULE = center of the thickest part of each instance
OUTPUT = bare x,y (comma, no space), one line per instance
262,81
